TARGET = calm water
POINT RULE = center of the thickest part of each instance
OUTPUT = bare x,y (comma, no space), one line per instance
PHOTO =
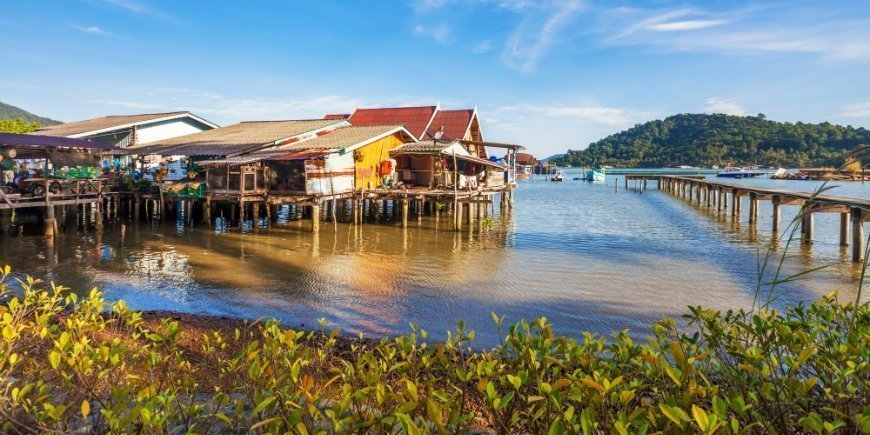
578,253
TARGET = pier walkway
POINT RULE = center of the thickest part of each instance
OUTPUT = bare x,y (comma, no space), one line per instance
711,193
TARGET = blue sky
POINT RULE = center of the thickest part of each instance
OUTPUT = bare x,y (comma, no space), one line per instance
549,74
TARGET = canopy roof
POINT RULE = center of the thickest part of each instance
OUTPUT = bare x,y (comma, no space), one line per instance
35,141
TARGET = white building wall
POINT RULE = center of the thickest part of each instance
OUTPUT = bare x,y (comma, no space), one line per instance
168,129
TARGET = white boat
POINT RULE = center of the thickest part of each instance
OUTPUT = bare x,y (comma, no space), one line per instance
557,176
738,173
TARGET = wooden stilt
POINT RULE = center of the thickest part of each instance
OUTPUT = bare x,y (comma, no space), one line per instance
857,235
775,201
315,217
845,219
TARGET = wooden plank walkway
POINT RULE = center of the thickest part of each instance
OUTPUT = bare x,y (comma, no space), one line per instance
713,193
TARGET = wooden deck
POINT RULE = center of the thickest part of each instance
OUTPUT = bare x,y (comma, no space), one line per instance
713,193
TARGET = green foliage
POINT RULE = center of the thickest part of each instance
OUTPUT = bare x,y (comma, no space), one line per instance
82,364
705,140
18,126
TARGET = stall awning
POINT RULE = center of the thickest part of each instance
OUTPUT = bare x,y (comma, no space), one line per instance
480,161
30,140
72,159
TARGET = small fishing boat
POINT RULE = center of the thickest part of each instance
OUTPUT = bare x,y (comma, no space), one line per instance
557,176
595,174
738,173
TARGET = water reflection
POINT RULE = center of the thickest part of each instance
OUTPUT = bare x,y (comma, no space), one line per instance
581,254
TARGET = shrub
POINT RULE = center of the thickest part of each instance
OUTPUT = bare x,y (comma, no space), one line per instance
69,363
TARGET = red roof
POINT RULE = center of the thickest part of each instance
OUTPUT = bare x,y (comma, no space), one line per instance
415,119
454,122
336,116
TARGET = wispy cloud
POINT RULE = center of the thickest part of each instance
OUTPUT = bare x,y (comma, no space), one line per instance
439,32
728,106
139,8
609,116
95,30
539,32
230,109
860,110
747,30
481,47
677,26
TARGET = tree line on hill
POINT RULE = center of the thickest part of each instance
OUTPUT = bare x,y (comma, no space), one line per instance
706,140
17,120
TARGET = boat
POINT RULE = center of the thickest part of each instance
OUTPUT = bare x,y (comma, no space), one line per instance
557,176
738,173
780,174
595,174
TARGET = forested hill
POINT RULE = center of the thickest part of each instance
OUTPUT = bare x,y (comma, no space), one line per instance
705,140
11,112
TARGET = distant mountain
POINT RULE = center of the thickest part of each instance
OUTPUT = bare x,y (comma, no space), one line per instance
554,156
8,111
705,140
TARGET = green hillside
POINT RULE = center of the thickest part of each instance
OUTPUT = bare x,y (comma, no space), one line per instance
11,112
705,140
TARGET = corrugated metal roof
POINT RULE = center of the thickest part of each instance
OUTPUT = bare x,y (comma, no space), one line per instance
88,125
233,139
454,123
415,119
344,137
426,146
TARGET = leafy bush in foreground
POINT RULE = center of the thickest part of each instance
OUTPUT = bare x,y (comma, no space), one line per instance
69,363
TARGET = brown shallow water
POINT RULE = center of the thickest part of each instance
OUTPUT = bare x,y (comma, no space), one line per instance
581,255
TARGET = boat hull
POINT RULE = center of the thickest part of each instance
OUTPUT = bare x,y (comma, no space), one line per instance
739,175
594,176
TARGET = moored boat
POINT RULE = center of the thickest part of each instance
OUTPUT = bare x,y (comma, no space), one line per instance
595,174
557,176
738,173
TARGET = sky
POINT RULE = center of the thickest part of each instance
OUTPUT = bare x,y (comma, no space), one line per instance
548,74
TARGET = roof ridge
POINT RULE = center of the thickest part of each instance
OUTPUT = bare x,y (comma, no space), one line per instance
394,108
141,114
291,120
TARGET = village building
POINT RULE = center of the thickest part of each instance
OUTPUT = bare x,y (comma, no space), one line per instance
228,141
130,130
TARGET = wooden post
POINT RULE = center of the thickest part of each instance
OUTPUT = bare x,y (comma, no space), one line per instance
775,201
405,212
808,229
206,212
734,202
857,235
48,222
844,229
421,205
471,213
626,183
753,206
457,215
315,217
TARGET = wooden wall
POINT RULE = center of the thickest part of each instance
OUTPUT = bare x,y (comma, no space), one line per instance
372,156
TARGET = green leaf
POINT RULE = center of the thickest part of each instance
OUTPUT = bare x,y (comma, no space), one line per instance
54,359
700,417
805,354
263,404
556,428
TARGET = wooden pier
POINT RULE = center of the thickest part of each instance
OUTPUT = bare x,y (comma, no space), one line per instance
717,194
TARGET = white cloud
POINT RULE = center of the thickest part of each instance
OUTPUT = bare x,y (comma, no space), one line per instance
728,106
482,47
231,110
860,110
440,32
748,30
91,29
685,25
534,39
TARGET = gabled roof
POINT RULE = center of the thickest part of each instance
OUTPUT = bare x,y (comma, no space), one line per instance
453,124
235,139
350,137
415,119
108,123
